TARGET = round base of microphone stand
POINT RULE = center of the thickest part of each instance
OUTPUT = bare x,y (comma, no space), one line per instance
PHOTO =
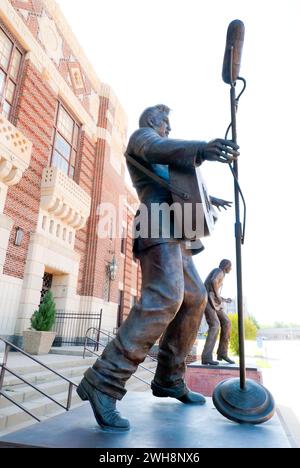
252,405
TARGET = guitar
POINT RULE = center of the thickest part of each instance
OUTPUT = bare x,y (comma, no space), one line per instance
196,216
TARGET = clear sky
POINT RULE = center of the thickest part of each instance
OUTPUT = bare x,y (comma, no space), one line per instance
171,52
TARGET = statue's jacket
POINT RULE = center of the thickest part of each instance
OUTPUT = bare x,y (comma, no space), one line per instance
157,154
213,285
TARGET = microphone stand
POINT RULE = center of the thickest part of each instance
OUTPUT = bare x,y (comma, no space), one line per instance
238,244
241,400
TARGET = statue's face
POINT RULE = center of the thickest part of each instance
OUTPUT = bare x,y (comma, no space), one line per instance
161,124
228,268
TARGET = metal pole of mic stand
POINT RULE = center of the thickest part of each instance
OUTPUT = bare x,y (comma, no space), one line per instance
238,246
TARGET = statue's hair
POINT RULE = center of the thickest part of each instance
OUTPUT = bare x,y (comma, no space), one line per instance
224,263
152,112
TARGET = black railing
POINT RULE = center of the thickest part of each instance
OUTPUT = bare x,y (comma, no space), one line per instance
5,369
70,327
98,341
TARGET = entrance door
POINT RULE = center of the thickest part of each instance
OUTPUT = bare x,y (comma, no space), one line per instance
47,283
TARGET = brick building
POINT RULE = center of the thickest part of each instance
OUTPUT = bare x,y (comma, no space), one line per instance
62,139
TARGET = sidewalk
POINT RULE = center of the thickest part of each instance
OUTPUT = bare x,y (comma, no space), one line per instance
283,381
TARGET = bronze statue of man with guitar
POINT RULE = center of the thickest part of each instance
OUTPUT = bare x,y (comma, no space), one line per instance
173,297
216,317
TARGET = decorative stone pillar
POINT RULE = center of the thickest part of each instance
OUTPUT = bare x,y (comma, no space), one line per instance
64,209
6,225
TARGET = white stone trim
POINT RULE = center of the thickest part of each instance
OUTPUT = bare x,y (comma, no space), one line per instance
103,134
130,208
46,255
15,156
56,230
10,288
55,11
115,163
63,198
3,193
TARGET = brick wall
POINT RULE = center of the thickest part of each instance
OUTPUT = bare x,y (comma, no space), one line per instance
84,176
35,116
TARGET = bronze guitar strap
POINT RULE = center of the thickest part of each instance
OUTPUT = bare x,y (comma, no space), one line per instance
157,179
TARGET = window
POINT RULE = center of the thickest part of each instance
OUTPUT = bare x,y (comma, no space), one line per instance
47,284
123,241
10,66
65,142
133,301
120,307
134,258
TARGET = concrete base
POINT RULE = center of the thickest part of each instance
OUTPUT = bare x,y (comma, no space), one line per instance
156,423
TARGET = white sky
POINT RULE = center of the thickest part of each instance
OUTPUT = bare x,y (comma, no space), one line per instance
171,52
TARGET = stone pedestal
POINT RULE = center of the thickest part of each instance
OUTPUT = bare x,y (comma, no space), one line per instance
155,423
204,379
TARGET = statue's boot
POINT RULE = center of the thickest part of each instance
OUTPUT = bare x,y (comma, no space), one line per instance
104,408
188,397
226,358
210,363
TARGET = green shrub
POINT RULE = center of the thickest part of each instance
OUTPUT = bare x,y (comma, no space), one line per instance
43,319
250,331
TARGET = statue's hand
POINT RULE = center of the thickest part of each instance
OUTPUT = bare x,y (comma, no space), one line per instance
228,301
219,203
224,151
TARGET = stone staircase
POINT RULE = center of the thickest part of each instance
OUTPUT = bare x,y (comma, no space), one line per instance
73,367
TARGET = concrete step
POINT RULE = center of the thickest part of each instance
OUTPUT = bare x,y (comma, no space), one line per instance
23,393
35,373
46,376
50,384
59,363
75,351
12,418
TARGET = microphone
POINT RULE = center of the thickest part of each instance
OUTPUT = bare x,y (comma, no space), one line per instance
233,51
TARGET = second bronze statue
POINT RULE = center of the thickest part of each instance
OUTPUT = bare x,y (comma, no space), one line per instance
216,317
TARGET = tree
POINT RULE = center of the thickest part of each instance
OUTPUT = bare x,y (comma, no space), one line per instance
250,331
43,319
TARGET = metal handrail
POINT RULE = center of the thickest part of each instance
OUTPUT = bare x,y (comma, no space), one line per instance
4,369
98,342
